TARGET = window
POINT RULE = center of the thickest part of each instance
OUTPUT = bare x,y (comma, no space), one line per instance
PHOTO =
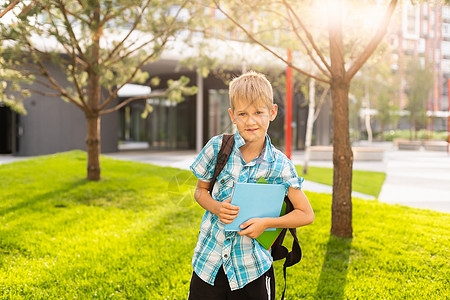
445,48
446,30
411,10
446,12
421,46
411,26
445,65
425,27
219,119
425,9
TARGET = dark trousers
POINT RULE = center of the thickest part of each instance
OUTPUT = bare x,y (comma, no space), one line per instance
262,288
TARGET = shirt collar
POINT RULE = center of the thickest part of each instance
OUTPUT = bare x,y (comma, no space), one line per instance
267,152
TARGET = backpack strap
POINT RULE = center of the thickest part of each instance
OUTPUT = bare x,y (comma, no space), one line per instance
292,257
279,251
222,157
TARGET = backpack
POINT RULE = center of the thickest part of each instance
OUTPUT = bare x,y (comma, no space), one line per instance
278,250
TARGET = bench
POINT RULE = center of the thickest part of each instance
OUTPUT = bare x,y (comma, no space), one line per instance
359,153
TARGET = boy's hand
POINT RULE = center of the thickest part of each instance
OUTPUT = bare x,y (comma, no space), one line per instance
227,212
253,227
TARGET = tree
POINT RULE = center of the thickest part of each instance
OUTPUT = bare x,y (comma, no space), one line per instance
337,71
375,86
419,82
10,78
313,113
9,7
103,46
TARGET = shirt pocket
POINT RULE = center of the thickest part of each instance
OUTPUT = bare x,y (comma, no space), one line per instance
225,183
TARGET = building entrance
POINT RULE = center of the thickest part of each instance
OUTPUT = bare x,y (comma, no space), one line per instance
168,126
6,130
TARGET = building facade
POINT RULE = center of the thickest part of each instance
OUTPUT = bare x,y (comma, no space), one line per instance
52,125
422,31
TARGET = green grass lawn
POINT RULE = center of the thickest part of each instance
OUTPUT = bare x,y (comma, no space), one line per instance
132,235
365,182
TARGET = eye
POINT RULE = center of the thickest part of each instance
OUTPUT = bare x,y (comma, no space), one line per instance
259,112
241,114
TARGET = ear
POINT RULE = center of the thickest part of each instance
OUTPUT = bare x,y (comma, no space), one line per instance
273,112
231,116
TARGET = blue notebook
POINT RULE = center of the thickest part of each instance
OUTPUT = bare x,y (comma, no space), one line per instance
256,201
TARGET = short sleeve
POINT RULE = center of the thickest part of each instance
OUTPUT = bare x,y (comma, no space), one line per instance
290,176
203,166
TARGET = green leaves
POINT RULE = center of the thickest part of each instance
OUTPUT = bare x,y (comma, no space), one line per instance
111,40
11,92
419,81
178,88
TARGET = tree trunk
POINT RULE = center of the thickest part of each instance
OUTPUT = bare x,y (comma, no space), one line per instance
341,210
93,127
341,219
92,116
368,126
309,123
93,147
367,116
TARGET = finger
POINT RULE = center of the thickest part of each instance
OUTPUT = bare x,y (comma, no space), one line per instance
227,203
241,233
244,232
230,217
230,206
246,224
226,221
232,212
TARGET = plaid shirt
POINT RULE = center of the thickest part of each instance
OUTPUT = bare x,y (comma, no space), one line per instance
243,258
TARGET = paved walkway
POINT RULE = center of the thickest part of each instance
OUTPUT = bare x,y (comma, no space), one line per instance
414,178
418,179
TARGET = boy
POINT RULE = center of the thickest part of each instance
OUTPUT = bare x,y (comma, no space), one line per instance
230,265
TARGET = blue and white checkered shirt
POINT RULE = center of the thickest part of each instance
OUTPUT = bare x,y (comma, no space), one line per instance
243,258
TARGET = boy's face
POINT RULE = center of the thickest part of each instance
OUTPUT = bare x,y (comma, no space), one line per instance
252,120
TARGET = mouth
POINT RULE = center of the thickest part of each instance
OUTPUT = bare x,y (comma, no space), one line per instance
251,130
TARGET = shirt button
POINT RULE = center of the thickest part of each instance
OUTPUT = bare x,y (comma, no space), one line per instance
226,255
228,239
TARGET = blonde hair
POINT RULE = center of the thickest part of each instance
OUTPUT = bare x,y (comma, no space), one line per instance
251,87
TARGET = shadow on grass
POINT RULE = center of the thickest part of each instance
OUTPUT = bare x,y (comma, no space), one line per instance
333,275
39,198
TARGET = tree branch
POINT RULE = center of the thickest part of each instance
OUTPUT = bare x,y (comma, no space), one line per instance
308,36
370,48
75,58
136,23
9,7
308,50
72,34
77,16
46,74
55,95
134,50
129,100
130,78
139,66
77,85
45,84
321,101
267,48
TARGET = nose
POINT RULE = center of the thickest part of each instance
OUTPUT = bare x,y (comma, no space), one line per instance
251,120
